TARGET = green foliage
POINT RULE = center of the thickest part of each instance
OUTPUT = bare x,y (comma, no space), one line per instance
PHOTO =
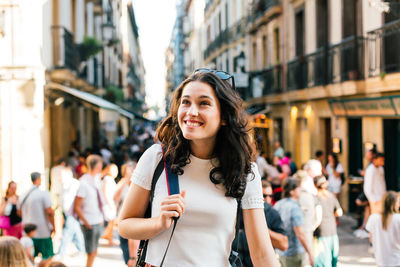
114,94
89,47
382,74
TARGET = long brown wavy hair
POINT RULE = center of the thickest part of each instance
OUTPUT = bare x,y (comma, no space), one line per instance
233,149
389,207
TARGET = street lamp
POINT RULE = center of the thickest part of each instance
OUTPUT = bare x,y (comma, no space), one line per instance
241,62
108,27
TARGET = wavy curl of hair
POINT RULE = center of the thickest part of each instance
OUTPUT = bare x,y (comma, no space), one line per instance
233,149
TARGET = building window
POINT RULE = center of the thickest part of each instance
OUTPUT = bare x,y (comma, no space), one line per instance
299,20
277,46
254,57
264,51
226,16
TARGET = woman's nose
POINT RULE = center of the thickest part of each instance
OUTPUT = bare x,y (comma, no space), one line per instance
193,111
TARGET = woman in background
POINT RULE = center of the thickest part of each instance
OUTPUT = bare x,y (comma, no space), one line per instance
8,207
384,229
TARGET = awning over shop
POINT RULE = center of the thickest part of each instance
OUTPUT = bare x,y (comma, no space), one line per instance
109,109
377,106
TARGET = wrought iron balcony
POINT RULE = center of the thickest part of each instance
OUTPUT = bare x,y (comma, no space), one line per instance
268,81
259,7
346,60
383,49
229,35
65,52
336,63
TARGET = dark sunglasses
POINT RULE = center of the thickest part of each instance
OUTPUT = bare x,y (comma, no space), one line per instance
265,195
223,75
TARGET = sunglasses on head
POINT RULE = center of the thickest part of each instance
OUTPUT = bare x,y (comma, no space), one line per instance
223,75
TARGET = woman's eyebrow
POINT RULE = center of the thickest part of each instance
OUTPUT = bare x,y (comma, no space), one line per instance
202,96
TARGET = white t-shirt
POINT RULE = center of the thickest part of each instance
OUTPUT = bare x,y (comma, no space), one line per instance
27,243
386,243
335,183
204,234
109,187
90,202
374,183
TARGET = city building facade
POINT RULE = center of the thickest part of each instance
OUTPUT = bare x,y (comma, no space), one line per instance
321,75
64,83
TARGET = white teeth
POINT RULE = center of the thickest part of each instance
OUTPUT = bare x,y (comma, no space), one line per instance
193,124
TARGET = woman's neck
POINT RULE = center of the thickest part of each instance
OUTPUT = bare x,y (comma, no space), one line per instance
202,150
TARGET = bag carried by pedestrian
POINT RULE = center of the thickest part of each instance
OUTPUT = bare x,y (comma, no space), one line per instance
4,222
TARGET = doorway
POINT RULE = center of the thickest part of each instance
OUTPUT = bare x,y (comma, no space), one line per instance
391,139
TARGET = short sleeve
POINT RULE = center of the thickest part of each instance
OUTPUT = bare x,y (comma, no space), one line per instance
339,168
296,217
143,174
47,200
252,198
82,191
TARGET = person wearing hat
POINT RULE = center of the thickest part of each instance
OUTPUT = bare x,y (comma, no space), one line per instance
327,249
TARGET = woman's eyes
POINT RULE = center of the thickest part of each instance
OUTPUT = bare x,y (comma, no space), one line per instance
202,103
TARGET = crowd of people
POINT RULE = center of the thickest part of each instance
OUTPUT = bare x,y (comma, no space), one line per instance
86,192
205,141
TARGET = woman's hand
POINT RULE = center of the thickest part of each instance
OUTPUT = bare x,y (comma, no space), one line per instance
171,207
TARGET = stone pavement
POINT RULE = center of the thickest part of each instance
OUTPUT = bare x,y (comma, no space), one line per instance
353,251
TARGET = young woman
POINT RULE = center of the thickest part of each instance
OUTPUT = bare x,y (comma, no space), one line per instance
206,140
327,248
8,207
334,170
384,229
109,187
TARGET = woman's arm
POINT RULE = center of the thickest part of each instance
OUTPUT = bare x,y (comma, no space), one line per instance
120,189
131,223
261,251
3,206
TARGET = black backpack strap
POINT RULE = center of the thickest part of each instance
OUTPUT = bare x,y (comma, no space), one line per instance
141,254
234,258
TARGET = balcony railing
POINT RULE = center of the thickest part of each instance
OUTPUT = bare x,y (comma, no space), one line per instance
383,49
229,35
269,80
259,7
65,53
346,60
337,63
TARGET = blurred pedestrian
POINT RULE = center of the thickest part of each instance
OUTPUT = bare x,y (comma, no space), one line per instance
384,228
88,206
109,187
27,242
328,242
292,164
129,247
312,211
313,168
71,231
374,182
81,168
279,152
207,143
8,208
293,222
12,253
35,207
335,172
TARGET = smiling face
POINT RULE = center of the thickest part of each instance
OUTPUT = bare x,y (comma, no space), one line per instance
199,113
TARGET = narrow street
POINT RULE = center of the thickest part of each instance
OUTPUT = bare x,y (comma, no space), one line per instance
353,251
